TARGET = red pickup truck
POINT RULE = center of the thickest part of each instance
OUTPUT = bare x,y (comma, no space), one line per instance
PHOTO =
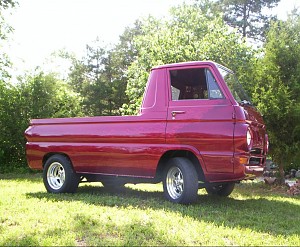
196,129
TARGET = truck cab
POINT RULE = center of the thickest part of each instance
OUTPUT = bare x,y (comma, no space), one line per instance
208,109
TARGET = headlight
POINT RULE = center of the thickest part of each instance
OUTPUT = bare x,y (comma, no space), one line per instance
249,139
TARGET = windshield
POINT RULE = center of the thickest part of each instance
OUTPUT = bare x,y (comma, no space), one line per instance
234,85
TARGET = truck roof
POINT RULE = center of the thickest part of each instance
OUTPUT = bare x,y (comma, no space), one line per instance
190,63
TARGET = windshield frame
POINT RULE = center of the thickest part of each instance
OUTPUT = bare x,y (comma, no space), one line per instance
236,88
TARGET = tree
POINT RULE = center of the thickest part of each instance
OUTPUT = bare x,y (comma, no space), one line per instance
277,92
100,76
5,30
248,16
88,79
5,64
122,56
189,34
6,4
35,96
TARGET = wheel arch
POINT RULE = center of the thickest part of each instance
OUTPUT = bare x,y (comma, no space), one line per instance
179,153
48,155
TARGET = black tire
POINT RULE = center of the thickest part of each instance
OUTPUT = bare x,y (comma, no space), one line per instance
180,181
220,190
113,185
59,176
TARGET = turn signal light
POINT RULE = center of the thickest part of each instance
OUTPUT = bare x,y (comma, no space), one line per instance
243,160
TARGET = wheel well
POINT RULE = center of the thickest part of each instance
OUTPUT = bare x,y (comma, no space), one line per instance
48,155
179,153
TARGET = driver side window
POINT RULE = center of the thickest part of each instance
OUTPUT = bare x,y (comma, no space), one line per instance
194,84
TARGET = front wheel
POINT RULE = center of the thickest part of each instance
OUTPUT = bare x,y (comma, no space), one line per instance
59,176
180,181
220,190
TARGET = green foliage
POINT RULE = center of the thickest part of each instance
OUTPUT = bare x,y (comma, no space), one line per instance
5,4
122,56
248,16
188,35
10,120
6,102
45,96
277,92
5,30
35,96
88,79
100,77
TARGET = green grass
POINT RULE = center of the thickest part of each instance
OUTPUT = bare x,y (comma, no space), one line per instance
139,215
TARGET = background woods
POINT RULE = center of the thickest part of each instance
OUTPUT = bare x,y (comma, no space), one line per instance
110,80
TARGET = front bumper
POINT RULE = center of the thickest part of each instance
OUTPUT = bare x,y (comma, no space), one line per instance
253,171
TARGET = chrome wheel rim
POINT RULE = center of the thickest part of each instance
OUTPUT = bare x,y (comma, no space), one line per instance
174,182
56,175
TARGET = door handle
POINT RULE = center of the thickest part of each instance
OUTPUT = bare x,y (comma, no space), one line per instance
174,113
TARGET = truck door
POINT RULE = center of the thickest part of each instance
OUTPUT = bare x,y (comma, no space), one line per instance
200,116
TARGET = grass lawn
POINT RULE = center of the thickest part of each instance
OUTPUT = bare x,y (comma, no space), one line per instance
139,215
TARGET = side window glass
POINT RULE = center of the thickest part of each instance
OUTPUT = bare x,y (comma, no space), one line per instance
188,84
213,87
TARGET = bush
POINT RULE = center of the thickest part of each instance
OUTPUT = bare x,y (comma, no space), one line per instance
35,96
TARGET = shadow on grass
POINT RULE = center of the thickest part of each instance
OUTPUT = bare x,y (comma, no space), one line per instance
32,177
261,215
22,241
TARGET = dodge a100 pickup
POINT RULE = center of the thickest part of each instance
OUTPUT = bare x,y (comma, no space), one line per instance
196,128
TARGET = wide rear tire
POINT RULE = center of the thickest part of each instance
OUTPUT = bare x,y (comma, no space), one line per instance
59,176
180,181
220,190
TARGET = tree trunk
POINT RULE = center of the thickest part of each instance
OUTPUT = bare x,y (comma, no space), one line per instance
244,27
281,179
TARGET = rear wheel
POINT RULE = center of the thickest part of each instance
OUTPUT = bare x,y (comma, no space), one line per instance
59,176
180,181
220,190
